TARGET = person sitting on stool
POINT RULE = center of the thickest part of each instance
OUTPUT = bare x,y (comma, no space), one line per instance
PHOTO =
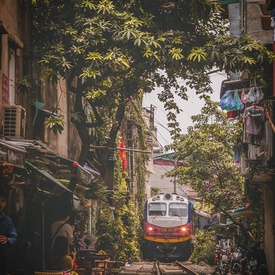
61,258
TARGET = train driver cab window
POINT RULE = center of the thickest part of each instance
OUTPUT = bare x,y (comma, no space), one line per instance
157,209
178,209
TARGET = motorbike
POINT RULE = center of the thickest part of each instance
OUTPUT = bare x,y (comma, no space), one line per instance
222,258
256,260
236,258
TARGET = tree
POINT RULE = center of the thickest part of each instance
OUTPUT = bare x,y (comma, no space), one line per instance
111,51
119,228
204,158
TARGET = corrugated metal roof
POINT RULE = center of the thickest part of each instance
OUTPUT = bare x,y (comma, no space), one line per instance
226,2
46,175
168,156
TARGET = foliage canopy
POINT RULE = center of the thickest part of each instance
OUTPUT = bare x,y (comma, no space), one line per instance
205,158
109,51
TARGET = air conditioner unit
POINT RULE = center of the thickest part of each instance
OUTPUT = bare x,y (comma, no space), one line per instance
14,121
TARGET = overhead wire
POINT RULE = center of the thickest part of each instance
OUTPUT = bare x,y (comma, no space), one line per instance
152,136
166,170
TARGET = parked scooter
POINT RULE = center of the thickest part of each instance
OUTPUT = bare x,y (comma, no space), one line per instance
222,258
236,258
256,260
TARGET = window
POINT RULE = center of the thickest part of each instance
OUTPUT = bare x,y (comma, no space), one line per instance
13,76
178,209
157,209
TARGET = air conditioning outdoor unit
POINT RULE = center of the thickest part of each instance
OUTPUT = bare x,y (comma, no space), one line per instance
14,121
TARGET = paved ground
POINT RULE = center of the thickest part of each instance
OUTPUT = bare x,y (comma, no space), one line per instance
202,268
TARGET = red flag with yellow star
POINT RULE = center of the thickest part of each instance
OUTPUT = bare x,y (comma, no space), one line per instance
122,155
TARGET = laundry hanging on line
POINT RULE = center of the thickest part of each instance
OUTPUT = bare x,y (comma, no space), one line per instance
231,100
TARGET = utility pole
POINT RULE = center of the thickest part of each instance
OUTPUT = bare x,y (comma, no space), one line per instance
175,178
175,185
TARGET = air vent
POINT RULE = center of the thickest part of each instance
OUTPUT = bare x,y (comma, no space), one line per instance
14,121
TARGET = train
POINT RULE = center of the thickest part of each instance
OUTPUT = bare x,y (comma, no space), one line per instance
169,227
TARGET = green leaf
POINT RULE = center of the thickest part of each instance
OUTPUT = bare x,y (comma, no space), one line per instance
90,73
94,56
197,55
176,53
248,60
55,123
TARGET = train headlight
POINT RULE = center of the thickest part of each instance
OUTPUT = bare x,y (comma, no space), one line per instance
182,230
152,229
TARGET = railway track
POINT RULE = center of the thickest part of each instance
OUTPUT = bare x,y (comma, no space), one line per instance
157,268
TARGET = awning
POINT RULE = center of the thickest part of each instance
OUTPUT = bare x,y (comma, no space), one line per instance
84,173
226,2
12,154
46,175
91,170
87,174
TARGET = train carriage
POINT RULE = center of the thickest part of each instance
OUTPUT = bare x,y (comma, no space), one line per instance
168,227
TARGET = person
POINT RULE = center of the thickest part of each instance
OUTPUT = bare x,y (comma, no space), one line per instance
61,258
61,227
8,234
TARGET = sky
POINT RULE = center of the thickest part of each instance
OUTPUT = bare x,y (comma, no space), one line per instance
189,108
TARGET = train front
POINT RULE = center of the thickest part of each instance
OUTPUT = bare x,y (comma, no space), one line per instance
168,228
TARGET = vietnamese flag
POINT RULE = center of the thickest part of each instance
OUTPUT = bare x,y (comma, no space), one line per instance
122,155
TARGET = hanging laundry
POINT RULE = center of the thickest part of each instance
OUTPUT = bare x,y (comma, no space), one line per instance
255,95
227,102
237,149
254,117
259,94
244,96
238,103
251,96
232,114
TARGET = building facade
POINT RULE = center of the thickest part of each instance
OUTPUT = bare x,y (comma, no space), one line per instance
32,158
255,18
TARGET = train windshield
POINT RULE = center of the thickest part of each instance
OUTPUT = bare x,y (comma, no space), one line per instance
157,209
178,209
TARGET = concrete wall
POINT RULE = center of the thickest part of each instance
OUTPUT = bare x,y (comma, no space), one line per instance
54,97
10,18
15,34
254,24
10,15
